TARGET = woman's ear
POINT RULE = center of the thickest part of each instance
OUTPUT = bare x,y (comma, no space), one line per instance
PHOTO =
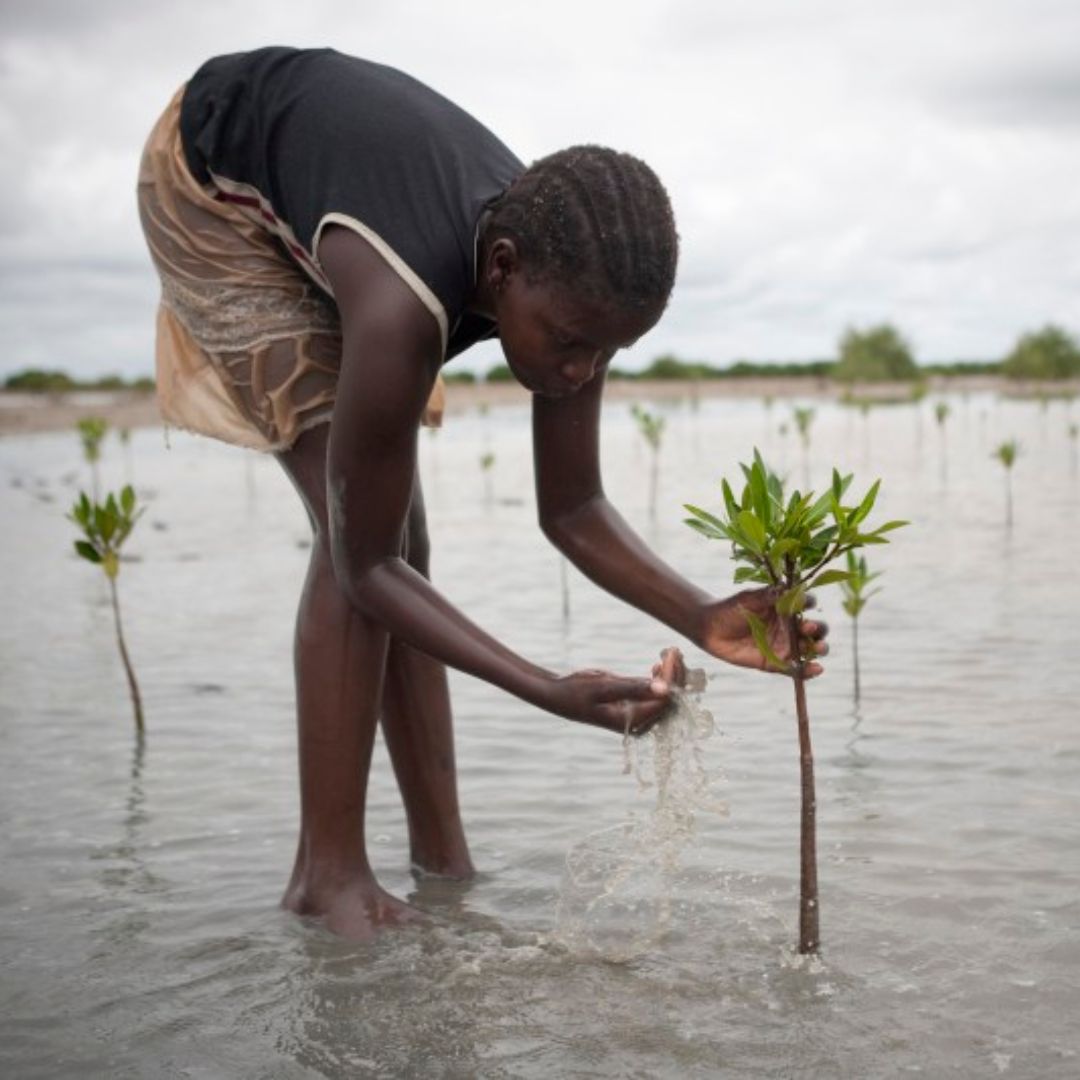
502,263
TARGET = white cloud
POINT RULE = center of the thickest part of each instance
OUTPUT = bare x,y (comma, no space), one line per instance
830,163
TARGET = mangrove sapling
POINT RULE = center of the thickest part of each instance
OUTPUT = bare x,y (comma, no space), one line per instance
92,431
124,434
652,430
1007,453
105,526
804,417
918,393
787,544
1074,430
855,598
487,462
941,414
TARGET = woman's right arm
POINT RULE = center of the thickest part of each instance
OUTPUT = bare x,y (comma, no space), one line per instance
389,362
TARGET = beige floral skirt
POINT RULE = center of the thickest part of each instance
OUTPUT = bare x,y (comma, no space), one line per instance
248,347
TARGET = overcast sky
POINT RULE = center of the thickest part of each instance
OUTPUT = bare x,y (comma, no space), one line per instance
831,162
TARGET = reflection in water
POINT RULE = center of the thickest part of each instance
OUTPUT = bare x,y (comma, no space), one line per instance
125,874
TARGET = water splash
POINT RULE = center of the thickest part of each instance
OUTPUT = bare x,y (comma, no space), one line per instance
619,886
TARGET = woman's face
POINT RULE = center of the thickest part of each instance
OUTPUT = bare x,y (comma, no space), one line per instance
555,341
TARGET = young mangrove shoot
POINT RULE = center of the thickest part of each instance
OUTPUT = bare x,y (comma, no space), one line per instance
105,526
124,435
652,430
487,462
941,414
855,598
787,543
1007,454
92,431
804,417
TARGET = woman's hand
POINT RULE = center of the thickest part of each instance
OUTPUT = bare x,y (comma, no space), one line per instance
671,667
612,702
727,632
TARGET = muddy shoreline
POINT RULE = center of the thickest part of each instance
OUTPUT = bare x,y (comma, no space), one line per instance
25,413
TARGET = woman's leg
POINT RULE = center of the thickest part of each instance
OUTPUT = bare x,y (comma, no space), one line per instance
340,660
418,730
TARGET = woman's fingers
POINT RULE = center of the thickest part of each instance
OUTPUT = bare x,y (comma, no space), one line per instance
813,637
642,715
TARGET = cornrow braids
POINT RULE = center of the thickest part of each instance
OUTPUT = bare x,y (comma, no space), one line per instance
596,219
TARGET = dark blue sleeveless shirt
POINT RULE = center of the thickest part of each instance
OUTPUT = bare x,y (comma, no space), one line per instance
301,139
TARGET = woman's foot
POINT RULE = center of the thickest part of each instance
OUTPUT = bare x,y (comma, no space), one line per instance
437,846
355,910
447,861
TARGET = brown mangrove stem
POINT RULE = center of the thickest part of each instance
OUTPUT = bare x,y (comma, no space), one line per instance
809,937
136,700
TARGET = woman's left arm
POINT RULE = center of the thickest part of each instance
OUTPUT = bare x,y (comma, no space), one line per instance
577,518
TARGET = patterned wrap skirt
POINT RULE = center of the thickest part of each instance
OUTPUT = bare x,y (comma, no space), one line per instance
248,347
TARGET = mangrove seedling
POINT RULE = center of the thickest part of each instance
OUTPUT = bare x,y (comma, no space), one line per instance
124,435
804,417
1007,453
787,544
487,462
855,598
1074,431
92,431
105,526
941,414
652,430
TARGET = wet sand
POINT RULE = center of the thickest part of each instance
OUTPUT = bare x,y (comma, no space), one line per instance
24,413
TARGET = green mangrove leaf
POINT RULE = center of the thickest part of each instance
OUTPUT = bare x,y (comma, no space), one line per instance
792,602
751,527
761,640
780,548
87,551
831,577
729,499
866,505
750,573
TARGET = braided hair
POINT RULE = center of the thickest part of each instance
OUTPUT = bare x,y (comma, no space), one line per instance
595,219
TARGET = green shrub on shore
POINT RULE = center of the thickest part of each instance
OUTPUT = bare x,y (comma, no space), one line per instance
879,354
499,373
37,381
1049,353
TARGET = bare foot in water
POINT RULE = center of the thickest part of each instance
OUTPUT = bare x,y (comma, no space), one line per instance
356,910
438,849
456,867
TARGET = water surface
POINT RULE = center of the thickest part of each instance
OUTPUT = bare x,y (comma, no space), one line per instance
138,922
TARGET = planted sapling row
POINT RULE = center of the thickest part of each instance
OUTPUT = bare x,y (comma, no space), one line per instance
1007,453
652,431
105,526
92,431
787,544
855,599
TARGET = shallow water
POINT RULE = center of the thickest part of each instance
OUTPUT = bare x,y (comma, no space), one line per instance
139,932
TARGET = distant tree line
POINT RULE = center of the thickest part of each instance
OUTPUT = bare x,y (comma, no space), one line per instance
39,381
877,354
